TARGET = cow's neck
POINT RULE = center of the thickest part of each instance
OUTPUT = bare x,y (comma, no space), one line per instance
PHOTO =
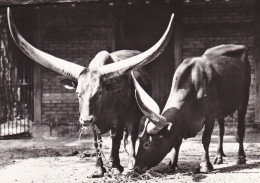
189,117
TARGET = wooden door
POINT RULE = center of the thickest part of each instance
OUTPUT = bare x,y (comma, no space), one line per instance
141,27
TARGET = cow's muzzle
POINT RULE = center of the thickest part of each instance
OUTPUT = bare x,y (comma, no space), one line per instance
86,120
140,170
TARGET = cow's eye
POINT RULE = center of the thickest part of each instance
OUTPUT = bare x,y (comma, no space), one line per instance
146,145
100,92
79,96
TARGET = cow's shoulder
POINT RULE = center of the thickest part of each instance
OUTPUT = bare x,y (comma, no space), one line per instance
193,71
183,73
189,64
226,50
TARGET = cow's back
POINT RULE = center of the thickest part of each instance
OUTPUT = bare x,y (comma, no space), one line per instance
230,76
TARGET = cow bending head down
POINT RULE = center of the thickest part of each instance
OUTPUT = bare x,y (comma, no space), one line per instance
105,90
204,88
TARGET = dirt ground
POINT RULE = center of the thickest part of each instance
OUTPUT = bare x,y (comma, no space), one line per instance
54,160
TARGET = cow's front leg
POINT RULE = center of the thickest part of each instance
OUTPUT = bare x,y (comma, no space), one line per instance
114,161
134,136
220,153
99,168
172,167
205,164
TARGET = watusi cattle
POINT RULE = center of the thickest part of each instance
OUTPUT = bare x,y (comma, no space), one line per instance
105,89
204,88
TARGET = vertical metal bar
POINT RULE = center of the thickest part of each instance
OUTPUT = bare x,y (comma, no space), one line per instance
4,112
11,121
16,122
24,94
6,119
7,123
16,80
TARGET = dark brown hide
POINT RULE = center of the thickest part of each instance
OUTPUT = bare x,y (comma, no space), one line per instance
203,89
111,107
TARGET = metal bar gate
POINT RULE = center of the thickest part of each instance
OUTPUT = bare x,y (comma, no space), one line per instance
15,119
16,90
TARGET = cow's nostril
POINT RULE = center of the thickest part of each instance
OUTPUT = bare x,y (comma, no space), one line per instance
81,121
140,170
86,121
90,119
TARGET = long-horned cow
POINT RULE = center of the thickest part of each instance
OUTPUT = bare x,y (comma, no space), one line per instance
105,89
204,88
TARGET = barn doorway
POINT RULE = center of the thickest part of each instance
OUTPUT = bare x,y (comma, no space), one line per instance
16,88
140,27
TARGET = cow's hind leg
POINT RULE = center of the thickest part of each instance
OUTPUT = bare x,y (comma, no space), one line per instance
173,165
241,112
114,161
205,164
220,153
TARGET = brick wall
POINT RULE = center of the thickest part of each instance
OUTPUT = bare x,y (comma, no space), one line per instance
75,33
206,25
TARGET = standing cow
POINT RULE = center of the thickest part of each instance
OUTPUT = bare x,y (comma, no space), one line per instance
203,89
105,92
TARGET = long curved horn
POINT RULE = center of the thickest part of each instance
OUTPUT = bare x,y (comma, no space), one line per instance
103,56
99,60
119,68
148,106
61,66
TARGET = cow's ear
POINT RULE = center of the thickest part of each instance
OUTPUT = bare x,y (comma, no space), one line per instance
199,80
164,131
69,84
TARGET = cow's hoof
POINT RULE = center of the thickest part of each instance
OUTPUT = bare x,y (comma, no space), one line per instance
171,169
241,160
99,172
205,167
131,163
133,175
119,168
115,171
113,165
218,160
